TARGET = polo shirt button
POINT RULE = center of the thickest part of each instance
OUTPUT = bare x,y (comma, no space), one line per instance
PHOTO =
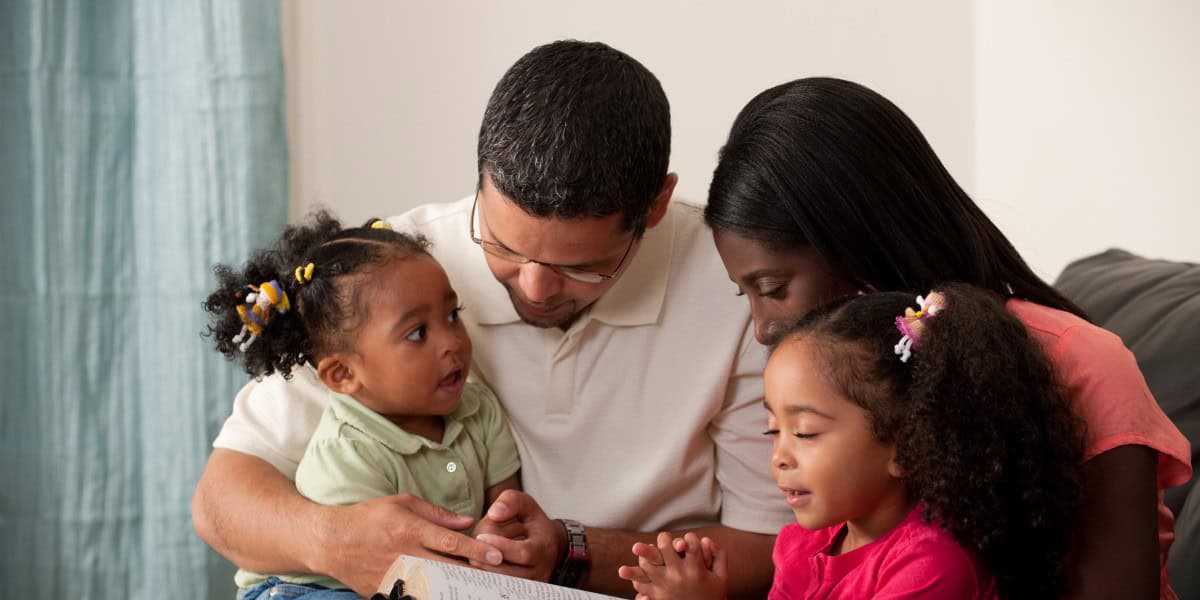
451,467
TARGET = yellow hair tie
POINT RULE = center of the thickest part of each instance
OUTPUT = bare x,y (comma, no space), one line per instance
381,224
276,295
304,274
255,313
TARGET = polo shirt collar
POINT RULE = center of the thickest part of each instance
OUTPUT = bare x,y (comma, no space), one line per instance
635,299
638,295
374,425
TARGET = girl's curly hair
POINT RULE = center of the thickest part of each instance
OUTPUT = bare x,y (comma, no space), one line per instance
324,309
983,432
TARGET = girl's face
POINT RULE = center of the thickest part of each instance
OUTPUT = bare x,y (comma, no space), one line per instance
781,286
825,458
411,352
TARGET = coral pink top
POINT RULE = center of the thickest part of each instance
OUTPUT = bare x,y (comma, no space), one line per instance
914,560
1109,393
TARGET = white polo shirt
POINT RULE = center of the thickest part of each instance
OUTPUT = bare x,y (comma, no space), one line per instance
646,414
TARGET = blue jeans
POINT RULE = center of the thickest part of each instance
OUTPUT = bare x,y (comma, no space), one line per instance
274,589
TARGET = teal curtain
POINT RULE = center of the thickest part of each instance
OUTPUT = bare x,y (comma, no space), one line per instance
140,142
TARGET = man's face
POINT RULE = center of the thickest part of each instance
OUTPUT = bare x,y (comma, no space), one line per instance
541,295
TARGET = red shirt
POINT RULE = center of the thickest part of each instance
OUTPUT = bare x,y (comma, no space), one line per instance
1109,393
914,560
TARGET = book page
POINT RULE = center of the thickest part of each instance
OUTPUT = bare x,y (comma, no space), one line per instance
432,580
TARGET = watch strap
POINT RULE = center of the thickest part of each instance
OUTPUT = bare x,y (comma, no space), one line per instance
577,559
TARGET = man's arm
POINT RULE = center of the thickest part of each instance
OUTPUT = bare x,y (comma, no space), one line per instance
242,503
536,556
750,568
237,519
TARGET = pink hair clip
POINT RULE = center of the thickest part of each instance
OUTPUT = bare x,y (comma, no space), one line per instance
912,323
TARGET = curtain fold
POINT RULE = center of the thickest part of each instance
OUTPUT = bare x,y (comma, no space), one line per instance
140,142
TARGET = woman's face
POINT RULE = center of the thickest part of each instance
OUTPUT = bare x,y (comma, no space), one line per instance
781,286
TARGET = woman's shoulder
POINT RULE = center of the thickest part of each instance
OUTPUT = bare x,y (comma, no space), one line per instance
1073,346
1093,365
1045,322
1106,388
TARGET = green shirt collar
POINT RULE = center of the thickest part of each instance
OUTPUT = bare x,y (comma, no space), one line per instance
352,413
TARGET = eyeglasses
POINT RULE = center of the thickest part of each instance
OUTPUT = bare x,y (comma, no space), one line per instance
581,275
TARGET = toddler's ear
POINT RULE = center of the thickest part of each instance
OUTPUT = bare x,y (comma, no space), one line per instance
893,468
338,374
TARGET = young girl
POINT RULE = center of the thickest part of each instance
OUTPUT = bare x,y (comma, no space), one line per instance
374,315
926,454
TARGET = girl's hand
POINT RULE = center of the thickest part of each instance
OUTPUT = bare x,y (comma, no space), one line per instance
687,567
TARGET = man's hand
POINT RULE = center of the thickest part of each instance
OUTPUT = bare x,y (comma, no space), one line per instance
360,541
688,567
530,541
242,503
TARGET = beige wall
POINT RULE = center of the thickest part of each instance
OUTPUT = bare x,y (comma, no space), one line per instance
1044,111
385,98
1088,128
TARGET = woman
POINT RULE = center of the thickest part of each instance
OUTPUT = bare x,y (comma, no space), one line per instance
825,188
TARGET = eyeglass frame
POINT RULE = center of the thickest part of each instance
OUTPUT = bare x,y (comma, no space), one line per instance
499,251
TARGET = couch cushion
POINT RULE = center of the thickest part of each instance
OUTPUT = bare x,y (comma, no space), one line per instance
1185,552
1154,305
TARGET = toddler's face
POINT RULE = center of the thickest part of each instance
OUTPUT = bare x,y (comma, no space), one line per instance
411,349
825,458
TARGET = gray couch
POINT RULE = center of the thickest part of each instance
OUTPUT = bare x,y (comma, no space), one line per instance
1154,305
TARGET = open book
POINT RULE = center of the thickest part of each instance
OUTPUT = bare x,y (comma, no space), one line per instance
421,579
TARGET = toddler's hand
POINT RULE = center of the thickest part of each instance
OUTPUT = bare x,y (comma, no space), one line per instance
706,547
687,567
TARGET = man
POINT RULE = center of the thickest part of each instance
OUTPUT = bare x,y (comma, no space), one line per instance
628,370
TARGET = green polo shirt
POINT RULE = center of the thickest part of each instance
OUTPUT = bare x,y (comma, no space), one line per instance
356,454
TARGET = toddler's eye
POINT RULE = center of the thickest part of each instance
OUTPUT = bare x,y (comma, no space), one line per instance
454,316
771,432
416,335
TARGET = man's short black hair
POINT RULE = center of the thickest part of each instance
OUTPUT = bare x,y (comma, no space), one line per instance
578,129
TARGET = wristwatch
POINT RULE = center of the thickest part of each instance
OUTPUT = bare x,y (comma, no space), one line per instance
576,561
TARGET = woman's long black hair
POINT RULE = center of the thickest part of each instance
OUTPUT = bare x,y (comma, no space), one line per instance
984,435
831,164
